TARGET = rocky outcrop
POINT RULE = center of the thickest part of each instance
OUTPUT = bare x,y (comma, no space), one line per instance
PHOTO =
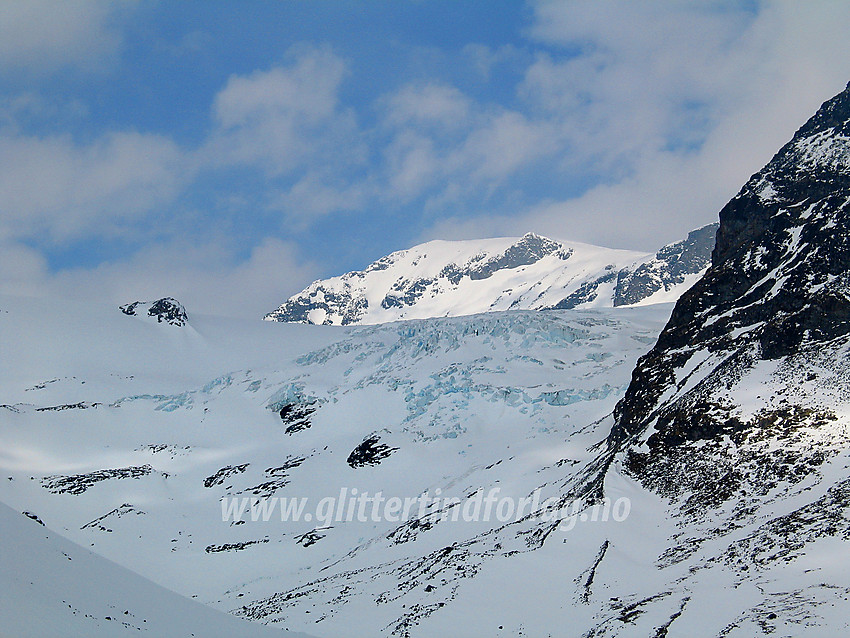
669,268
165,310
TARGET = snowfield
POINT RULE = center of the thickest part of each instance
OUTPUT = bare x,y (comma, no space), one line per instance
53,588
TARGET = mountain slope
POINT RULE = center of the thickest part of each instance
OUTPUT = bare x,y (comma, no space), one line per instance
442,278
53,588
125,435
739,414
778,287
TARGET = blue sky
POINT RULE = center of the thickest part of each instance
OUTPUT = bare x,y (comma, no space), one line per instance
229,153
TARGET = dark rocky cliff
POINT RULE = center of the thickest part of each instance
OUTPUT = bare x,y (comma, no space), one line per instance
778,289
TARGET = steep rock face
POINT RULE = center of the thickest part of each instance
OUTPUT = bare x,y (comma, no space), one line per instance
443,278
755,348
671,267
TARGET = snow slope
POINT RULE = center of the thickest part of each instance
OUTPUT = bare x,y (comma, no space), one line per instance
54,588
452,278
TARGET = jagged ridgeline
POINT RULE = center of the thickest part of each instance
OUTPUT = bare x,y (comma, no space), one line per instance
757,348
452,278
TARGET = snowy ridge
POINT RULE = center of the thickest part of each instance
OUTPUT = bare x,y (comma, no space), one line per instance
452,278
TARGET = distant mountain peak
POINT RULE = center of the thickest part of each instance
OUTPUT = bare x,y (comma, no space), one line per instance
532,272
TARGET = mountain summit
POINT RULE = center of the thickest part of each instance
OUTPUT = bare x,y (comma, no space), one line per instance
451,278
778,289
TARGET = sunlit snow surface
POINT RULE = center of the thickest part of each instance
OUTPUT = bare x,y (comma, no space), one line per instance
54,589
466,277
149,425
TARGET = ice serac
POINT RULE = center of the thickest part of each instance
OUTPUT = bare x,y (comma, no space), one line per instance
451,278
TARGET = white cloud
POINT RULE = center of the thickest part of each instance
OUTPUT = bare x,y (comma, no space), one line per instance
307,89
29,107
646,77
24,269
285,118
59,190
412,165
484,59
444,144
44,35
437,104
671,106
317,194
503,143
207,279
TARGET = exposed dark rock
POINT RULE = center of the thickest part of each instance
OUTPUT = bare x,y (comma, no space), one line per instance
130,308
406,293
101,522
588,291
68,406
224,473
410,530
165,310
79,483
168,310
42,385
528,250
296,416
586,578
311,538
33,517
668,269
345,303
278,478
233,547
369,452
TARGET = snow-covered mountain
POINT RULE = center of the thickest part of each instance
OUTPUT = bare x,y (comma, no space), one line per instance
452,278
701,489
